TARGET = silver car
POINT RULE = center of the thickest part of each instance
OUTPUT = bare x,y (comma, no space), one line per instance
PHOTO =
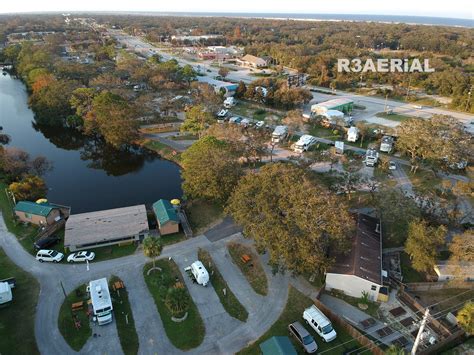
297,330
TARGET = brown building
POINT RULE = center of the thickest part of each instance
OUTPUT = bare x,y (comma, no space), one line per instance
168,220
41,214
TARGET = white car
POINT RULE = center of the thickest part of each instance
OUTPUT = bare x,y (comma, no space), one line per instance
259,124
49,255
222,113
81,256
392,165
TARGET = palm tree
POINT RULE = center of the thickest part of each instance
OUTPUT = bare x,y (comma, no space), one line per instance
152,248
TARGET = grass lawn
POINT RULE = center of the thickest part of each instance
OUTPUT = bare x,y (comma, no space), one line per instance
296,304
187,334
328,133
172,238
230,303
76,338
163,150
124,319
25,233
185,137
372,309
410,274
17,320
202,214
252,270
113,251
393,117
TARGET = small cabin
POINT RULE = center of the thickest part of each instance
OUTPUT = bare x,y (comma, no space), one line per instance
168,220
41,214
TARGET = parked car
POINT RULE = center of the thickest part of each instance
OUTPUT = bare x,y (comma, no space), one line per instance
259,124
222,113
235,120
46,242
392,165
320,323
245,122
297,330
81,256
49,255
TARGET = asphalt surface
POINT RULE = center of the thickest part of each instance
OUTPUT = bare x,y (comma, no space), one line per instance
223,230
224,335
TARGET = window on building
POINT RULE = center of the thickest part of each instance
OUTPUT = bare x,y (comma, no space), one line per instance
373,288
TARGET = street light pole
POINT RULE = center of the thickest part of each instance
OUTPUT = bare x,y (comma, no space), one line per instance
420,331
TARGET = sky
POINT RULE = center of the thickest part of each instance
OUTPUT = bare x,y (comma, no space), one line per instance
453,8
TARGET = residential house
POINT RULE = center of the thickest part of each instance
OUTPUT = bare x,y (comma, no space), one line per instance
41,214
360,270
168,220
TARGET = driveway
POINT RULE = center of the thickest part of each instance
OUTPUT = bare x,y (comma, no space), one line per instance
222,230
224,334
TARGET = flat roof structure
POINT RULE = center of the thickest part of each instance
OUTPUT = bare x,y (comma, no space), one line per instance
105,227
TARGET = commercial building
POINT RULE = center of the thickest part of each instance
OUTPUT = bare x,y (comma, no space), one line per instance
108,227
253,61
360,271
168,220
228,89
41,214
342,104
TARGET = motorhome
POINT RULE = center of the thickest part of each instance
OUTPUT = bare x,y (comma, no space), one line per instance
353,134
6,294
101,300
320,323
386,145
200,273
304,143
229,102
371,157
279,134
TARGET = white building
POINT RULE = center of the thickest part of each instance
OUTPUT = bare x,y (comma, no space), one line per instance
361,269
252,61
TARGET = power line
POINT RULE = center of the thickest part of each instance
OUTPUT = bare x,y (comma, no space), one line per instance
396,321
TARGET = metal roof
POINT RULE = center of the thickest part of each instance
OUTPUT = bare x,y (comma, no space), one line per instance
277,345
102,226
34,208
164,212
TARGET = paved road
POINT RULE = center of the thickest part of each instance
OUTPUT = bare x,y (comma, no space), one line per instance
223,230
223,333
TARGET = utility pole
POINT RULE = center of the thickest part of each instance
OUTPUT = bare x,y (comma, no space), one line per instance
420,331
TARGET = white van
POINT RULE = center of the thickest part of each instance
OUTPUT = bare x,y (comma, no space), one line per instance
49,255
320,323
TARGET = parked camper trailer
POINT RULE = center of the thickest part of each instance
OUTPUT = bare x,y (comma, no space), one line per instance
6,294
279,134
371,157
229,102
304,143
101,301
386,145
353,134
200,273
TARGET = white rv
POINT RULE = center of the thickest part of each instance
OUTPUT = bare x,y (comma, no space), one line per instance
101,301
229,102
279,134
353,134
304,143
386,145
371,157
200,273
6,290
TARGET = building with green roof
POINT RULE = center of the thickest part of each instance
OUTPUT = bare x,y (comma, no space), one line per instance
37,213
168,220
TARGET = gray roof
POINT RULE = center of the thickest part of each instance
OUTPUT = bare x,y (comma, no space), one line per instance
101,226
365,257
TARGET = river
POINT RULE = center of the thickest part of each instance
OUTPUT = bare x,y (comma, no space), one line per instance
86,175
